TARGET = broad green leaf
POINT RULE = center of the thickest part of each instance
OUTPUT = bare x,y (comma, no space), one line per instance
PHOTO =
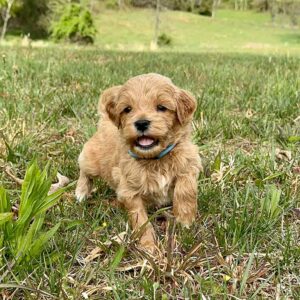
5,205
5,217
217,162
50,201
294,139
26,240
274,202
23,221
34,192
39,243
27,188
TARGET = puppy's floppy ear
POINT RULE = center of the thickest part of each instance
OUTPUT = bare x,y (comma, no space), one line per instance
107,104
186,106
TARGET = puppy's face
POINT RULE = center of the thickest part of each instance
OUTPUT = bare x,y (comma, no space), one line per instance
150,112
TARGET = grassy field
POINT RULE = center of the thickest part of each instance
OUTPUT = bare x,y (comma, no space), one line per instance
229,31
245,242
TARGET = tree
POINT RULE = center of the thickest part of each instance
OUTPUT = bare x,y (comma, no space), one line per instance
157,21
7,4
75,24
215,4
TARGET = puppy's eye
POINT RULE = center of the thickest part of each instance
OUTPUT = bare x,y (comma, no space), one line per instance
161,108
127,109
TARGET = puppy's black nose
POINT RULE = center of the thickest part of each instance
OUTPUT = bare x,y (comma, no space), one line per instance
142,125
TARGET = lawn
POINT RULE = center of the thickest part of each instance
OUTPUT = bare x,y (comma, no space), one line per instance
245,243
229,31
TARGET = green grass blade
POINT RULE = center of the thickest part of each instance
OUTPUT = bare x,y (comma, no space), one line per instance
25,241
5,217
5,205
27,188
246,273
51,200
217,162
39,243
274,205
262,286
22,287
117,259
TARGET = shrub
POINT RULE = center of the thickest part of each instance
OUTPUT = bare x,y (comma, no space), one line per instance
23,238
184,5
111,4
164,40
205,8
75,25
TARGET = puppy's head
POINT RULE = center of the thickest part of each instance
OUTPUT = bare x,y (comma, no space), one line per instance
150,112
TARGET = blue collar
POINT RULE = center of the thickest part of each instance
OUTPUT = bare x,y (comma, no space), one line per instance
159,156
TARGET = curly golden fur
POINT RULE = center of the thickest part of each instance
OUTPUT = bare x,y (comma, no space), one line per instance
144,115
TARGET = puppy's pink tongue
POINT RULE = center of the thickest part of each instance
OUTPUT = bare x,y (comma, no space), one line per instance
145,141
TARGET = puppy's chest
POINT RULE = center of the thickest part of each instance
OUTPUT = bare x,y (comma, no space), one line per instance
156,188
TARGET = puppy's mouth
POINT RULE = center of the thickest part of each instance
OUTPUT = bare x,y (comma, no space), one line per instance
146,142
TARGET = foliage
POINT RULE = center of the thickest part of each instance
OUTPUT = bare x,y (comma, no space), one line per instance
75,25
204,8
164,40
23,238
111,4
184,5
30,17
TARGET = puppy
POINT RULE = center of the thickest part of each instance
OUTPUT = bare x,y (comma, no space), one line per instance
143,150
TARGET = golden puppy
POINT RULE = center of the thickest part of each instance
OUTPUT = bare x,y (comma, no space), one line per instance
143,150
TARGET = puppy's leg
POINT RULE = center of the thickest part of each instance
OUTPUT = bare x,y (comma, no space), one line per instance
138,217
83,187
88,170
185,199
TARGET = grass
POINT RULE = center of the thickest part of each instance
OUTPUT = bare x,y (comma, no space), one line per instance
230,31
245,242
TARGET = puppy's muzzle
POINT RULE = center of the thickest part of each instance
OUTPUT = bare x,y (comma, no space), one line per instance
142,125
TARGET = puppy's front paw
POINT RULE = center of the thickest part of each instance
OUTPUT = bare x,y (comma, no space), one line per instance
185,218
79,197
148,246
185,221
83,188
185,213
82,193
147,242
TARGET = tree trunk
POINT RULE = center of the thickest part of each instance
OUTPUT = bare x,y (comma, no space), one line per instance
214,7
157,21
120,4
6,19
273,10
